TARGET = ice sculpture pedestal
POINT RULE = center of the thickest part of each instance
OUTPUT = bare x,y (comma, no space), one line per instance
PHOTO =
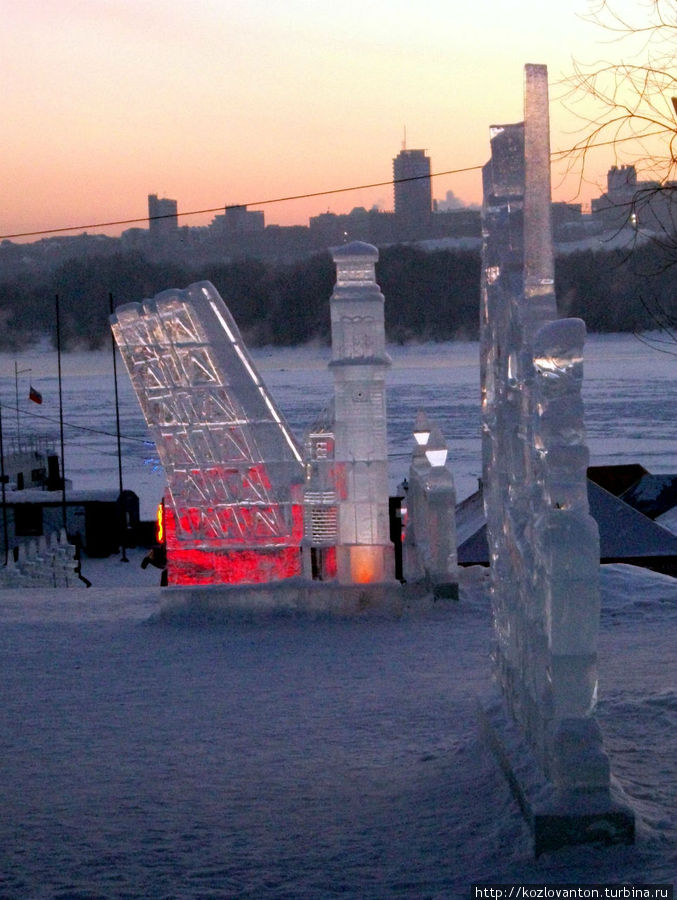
218,603
556,818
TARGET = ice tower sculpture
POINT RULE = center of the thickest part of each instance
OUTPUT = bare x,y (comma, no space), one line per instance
320,500
234,471
364,553
543,542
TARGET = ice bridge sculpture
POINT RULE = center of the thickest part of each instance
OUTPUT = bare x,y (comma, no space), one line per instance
543,542
234,470
244,503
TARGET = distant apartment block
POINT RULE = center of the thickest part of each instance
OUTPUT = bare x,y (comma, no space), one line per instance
644,205
614,208
621,183
413,187
238,220
163,219
372,226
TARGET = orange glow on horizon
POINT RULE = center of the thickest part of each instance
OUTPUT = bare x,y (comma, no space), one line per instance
217,104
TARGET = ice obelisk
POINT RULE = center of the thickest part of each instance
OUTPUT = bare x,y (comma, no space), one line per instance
364,553
543,542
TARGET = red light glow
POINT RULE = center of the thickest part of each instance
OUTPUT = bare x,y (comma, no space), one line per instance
220,560
330,568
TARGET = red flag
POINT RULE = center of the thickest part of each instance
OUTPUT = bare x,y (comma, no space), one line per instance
34,395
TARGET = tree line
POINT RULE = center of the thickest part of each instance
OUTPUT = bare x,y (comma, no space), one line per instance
430,296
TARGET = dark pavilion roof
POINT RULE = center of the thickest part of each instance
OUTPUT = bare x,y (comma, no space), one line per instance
625,533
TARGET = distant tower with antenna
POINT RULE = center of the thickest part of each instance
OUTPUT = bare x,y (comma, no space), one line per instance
413,187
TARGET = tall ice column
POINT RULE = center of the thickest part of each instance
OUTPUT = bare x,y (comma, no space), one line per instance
364,553
543,542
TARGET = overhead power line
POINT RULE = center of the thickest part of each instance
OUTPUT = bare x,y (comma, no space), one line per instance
125,437
35,415
309,195
216,209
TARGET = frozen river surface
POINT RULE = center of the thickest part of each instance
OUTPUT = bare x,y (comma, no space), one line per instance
630,395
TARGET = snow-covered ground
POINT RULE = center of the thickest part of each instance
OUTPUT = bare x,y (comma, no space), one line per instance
290,756
298,757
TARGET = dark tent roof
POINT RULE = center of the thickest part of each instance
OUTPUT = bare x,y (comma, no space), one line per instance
652,495
471,531
618,478
624,531
626,535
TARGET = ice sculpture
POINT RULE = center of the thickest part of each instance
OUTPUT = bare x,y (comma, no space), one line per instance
234,470
364,553
244,504
544,545
430,532
320,500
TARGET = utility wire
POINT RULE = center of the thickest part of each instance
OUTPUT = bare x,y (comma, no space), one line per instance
356,187
35,415
124,437
216,209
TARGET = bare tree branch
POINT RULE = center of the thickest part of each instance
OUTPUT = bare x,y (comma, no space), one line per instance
630,98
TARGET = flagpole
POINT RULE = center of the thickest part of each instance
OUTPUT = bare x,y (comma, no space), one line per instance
77,538
17,372
4,497
63,463
123,541
18,426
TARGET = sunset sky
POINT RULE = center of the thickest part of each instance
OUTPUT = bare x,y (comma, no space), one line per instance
214,102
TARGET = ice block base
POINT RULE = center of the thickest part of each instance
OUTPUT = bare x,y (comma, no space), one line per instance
597,817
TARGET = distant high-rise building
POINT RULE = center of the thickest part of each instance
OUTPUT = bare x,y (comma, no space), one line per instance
163,219
237,223
413,198
648,205
240,220
621,183
618,207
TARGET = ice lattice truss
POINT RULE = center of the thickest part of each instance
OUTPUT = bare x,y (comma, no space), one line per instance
544,545
233,467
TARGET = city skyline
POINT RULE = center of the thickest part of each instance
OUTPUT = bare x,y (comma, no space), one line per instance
224,104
